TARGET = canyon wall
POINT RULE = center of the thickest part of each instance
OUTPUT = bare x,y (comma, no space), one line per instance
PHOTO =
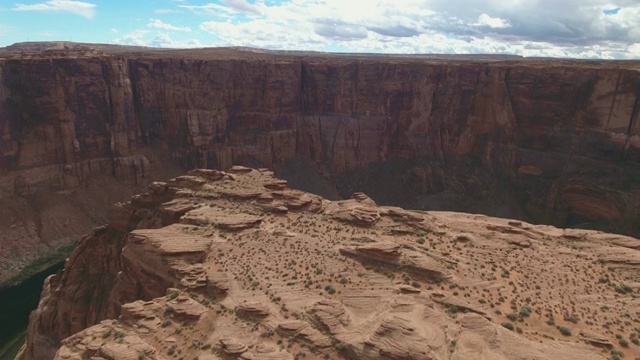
79,131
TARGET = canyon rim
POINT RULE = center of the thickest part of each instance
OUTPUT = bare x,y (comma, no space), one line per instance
85,126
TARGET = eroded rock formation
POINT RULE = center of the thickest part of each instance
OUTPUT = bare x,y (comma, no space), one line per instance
307,277
546,140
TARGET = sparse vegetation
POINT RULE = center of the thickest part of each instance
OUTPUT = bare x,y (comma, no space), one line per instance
508,325
523,279
564,330
616,355
623,289
173,294
622,341
512,316
525,311
571,318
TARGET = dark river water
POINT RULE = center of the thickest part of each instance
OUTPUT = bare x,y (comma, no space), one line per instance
15,305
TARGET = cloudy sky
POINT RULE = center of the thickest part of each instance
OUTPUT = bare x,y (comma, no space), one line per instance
557,28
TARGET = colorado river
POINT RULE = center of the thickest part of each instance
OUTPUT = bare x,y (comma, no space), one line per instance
16,303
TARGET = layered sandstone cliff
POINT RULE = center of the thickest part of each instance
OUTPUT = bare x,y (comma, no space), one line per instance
550,141
236,265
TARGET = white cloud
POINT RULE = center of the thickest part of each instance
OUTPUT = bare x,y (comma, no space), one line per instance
568,28
155,39
215,10
263,34
634,50
571,28
158,24
563,23
243,6
486,20
134,38
165,41
80,8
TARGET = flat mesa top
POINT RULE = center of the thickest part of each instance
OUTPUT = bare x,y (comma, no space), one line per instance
40,50
250,264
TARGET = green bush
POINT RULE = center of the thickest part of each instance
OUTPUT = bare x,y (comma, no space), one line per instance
564,331
623,289
330,289
622,341
616,355
172,295
525,311
571,318
508,325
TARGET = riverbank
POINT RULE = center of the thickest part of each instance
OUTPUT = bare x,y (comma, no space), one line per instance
20,295
13,345
55,256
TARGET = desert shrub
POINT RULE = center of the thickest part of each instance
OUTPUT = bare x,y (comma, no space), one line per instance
623,289
622,341
564,331
508,326
616,355
571,318
525,311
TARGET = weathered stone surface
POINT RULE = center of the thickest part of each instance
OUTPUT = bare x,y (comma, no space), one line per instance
398,338
330,315
304,281
390,253
459,304
93,343
303,331
595,339
253,310
187,309
232,347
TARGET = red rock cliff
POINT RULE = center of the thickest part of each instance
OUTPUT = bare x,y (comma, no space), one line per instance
79,130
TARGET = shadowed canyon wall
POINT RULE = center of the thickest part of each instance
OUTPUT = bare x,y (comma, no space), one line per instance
550,141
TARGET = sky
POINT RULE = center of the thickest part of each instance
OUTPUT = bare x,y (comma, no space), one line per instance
603,29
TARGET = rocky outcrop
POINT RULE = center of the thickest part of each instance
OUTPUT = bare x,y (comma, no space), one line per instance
303,282
545,140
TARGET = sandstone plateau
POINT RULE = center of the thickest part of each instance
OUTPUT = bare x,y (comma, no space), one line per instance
543,140
236,265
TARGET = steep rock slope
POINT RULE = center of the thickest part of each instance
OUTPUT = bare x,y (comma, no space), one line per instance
547,140
235,264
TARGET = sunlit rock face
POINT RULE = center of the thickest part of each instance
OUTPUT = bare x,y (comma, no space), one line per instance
235,264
